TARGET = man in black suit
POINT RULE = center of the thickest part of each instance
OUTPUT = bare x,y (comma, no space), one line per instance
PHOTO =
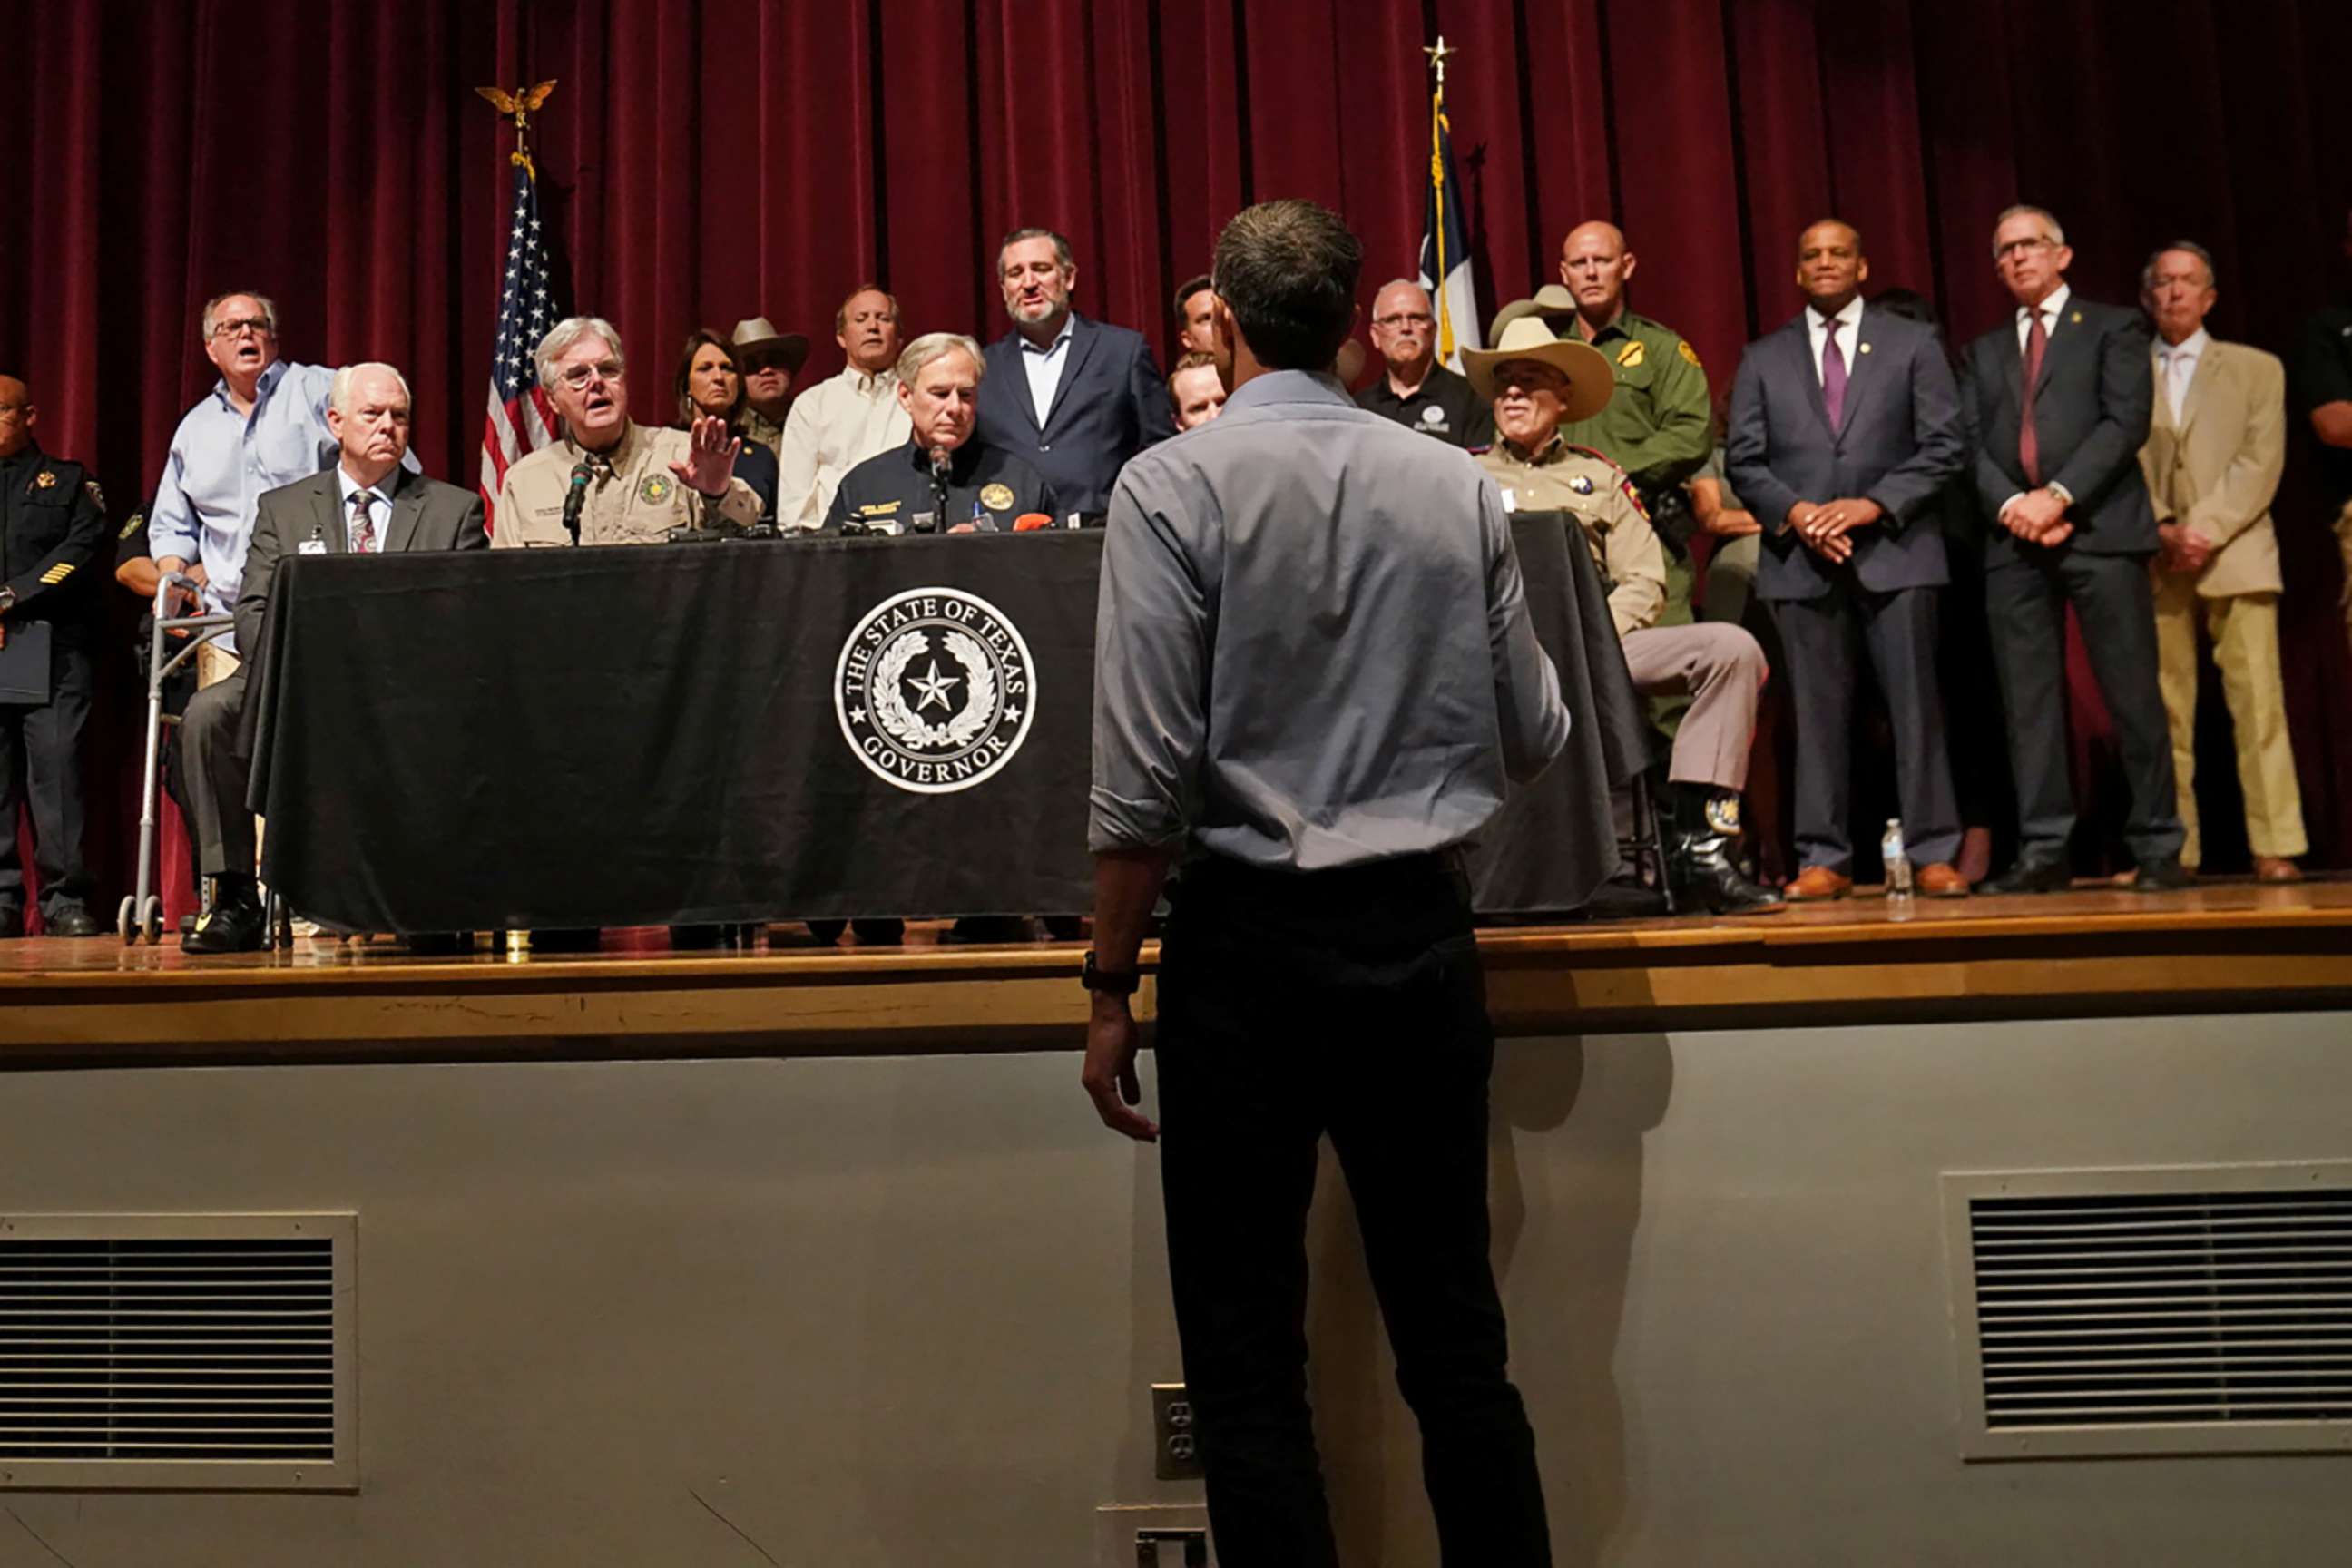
365,505
1845,424
2058,403
1072,397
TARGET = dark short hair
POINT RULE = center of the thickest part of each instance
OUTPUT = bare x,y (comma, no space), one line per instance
1287,270
1061,245
1831,219
687,411
1186,289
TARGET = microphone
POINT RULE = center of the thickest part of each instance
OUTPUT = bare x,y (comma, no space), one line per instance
577,496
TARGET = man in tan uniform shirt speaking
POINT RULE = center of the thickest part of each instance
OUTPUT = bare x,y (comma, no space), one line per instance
2215,450
1538,383
632,485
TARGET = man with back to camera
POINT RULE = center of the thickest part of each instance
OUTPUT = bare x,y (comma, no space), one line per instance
2216,448
1072,397
367,504
1314,673
1844,426
845,419
1413,389
2058,403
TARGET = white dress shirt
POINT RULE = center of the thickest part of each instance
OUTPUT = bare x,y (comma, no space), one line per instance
379,511
2176,367
1044,367
1817,327
834,426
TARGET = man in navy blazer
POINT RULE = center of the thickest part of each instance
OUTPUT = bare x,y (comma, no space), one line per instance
1073,399
1843,425
2056,462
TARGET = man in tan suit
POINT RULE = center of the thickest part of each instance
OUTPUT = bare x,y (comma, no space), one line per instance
2214,452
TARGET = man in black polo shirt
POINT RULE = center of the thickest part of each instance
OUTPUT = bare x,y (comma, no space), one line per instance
941,480
1415,390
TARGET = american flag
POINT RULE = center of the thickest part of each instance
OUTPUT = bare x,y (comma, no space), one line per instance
519,418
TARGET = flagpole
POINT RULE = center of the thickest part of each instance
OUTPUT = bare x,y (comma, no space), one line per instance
1438,55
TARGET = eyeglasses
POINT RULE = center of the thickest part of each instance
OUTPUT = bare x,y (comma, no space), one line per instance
238,328
2039,242
579,375
1404,319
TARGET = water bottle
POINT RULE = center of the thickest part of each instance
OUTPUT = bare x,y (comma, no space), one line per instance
1899,866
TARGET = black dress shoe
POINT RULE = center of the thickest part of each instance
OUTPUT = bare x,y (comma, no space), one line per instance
2165,876
1700,867
235,925
2029,875
72,919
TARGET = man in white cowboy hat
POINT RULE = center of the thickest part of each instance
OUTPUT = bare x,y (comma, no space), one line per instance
1538,382
769,359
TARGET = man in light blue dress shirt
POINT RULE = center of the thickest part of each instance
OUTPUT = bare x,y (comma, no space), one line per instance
262,425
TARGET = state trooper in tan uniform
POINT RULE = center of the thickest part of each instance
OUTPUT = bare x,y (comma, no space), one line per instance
1538,383
633,484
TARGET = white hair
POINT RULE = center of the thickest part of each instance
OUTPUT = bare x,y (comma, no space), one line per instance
213,305
339,391
2027,209
939,345
568,332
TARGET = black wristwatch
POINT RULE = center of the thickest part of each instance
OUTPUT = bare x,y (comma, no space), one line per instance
1110,984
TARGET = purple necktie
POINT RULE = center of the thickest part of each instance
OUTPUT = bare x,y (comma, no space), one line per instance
1833,377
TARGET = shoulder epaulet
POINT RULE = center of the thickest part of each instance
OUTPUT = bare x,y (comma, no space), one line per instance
1624,482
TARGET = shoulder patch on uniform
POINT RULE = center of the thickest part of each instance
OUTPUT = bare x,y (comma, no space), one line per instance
1624,481
1689,353
1630,354
655,488
97,496
138,521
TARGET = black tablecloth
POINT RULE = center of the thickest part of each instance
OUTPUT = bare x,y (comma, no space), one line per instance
632,736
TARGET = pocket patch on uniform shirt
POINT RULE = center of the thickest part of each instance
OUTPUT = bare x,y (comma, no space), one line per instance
655,488
997,498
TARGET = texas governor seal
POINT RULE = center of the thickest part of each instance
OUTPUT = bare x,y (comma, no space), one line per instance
934,690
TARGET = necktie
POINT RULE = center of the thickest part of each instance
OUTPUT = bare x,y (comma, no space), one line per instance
2029,445
1833,377
362,526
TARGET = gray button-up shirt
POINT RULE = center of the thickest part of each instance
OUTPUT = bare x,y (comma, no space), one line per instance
1312,646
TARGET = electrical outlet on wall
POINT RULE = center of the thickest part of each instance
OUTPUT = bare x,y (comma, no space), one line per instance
1175,1443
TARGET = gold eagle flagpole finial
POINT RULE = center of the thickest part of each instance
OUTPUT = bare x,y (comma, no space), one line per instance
518,106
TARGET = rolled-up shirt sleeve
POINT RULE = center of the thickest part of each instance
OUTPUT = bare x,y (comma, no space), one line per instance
1152,653
1532,718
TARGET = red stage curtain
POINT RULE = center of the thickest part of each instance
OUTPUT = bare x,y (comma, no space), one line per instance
707,160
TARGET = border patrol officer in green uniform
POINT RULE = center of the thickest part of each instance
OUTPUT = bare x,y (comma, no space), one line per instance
941,479
52,533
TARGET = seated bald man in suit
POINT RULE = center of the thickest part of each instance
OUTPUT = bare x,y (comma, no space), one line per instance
364,505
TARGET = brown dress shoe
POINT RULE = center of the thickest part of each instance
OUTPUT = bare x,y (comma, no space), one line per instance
1939,881
1818,884
2276,868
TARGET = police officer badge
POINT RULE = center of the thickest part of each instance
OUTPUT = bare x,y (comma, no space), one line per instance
996,496
655,488
935,691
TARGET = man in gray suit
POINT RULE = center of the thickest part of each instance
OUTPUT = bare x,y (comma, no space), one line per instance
2058,403
1843,425
365,505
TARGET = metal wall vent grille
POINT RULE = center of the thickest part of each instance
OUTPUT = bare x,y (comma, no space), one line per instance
2143,1312
196,1350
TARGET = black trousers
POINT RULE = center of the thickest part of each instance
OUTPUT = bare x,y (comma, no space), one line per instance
41,764
1898,631
1348,1003
2025,609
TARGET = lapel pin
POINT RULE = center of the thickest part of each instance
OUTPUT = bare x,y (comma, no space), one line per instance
2076,318
1865,348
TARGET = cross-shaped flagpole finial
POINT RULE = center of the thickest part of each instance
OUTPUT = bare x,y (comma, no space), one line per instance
1439,53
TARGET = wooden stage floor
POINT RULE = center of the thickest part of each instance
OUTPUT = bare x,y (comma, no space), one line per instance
2226,947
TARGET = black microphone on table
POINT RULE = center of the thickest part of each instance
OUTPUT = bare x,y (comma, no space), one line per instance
940,466
577,496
